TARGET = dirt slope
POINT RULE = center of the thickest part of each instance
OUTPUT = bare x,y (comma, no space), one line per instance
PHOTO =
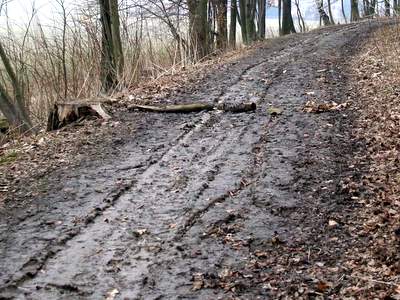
208,205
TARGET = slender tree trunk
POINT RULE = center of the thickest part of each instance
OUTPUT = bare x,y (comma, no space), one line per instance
343,13
198,26
243,21
355,14
14,111
280,16
322,14
300,18
387,8
222,23
395,7
112,55
262,5
287,19
330,12
232,29
250,24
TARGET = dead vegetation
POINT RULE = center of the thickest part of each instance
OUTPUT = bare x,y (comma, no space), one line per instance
376,78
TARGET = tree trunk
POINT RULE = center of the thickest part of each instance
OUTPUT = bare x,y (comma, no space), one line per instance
322,14
355,14
395,7
287,19
280,16
262,5
387,8
199,28
14,111
369,8
232,29
243,21
247,20
112,54
343,13
330,12
251,14
300,18
222,23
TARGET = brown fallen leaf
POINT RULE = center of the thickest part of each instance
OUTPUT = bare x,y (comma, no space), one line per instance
322,287
198,281
315,107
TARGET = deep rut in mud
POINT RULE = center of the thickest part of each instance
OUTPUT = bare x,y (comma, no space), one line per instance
191,194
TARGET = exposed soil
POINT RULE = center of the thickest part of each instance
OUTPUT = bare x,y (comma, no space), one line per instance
209,205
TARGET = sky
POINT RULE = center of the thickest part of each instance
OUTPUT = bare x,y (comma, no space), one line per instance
20,11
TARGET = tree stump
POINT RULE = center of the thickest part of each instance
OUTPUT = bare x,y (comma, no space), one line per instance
63,114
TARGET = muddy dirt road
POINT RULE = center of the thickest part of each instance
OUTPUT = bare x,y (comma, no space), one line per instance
194,201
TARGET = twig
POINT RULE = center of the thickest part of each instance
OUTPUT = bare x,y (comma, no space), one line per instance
373,280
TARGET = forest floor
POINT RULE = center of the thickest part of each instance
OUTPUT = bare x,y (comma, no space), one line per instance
297,200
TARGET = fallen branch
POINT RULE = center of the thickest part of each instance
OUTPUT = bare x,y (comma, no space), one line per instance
195,107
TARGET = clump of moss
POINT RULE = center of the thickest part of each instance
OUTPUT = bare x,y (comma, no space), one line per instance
8,157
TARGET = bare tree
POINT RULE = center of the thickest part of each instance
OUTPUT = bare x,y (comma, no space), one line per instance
387,8
330,12
13,106
262,6
355,14
343,13
14,111
287,19
112,55
233,21
323,16
222,23
300,18
198,27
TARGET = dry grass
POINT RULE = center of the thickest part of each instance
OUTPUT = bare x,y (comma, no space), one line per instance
40,53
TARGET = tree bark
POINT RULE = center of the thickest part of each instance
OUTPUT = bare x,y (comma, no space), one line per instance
355,14
14,111
343,13
262,5
287,19
232,28
198,28
243,21
300,18
330,12
395,7
323,16
387,8
112,54
280,16
222,23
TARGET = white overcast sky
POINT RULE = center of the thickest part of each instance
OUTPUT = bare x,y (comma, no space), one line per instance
19,11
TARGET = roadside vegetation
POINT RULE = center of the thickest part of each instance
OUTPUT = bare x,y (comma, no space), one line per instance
375,83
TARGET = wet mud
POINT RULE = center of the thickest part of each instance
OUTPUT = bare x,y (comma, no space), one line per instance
194,195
